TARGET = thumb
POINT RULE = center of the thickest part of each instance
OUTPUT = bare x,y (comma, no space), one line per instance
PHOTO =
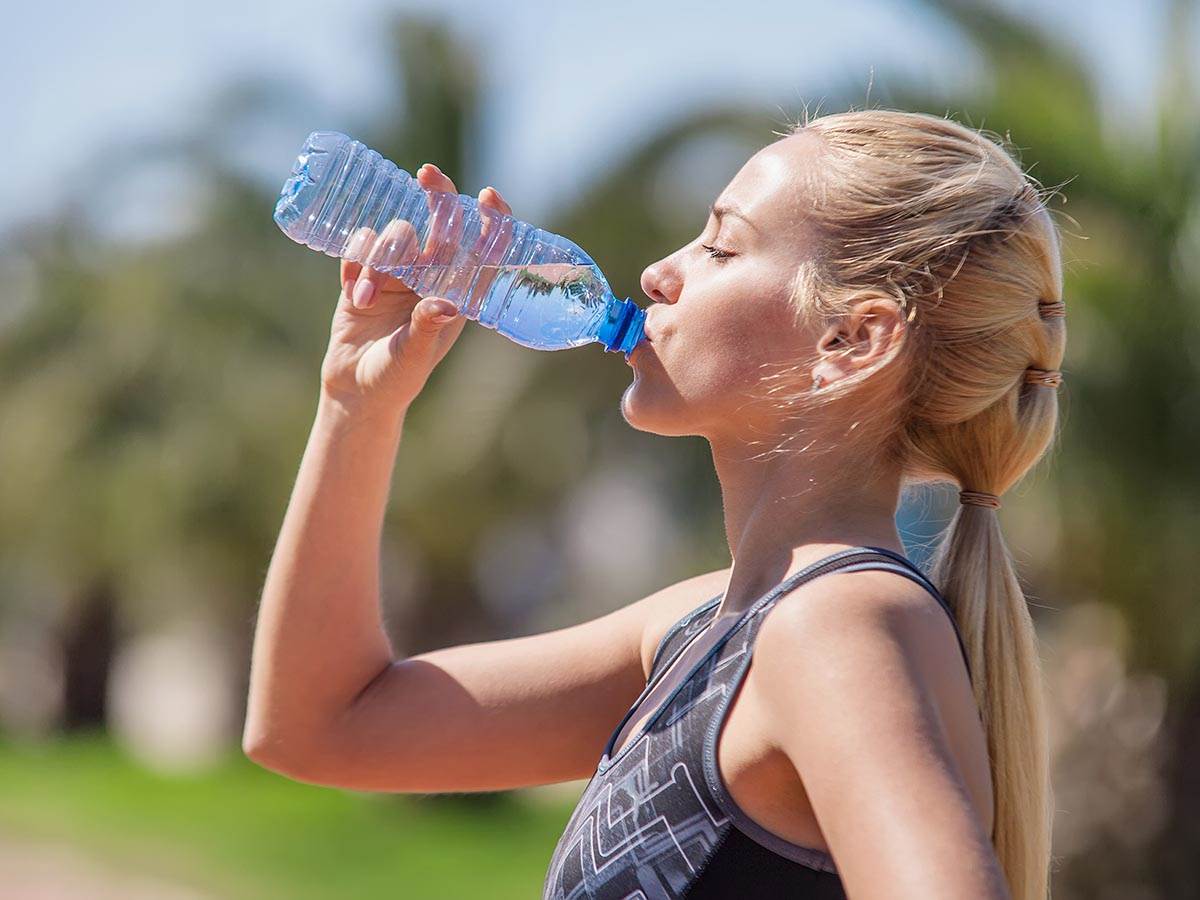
417,339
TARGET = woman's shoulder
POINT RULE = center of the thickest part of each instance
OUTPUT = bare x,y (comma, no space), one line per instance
839,659
867,605
848,615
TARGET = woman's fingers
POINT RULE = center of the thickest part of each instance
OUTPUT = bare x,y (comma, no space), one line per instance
493,208
353,254
489,196
432,178
495,239
445,214
367,254
397,245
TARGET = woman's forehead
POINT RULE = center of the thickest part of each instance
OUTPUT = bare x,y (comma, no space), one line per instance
770,189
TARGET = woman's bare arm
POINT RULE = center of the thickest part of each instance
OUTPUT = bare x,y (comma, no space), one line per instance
328,702
847,673
319,637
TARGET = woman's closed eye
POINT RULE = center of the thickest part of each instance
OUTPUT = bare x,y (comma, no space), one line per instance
717,252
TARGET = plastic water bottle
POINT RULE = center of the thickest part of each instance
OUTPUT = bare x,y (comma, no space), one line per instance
535,287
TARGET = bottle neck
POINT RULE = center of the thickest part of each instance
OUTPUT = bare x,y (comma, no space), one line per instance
621,329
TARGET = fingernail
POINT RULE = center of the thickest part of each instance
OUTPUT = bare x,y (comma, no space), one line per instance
362,292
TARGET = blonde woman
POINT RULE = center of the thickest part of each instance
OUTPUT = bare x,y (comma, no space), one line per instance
874,302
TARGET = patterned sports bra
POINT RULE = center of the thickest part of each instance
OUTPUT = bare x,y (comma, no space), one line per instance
656,821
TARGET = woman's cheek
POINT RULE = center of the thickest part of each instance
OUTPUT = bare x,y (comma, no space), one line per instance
738,337
720,363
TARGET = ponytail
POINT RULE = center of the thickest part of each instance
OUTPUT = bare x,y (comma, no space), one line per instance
974,571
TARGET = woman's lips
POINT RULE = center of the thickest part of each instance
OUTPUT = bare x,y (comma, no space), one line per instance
635,350
645,339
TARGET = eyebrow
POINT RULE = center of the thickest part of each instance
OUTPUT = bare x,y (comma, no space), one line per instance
728,209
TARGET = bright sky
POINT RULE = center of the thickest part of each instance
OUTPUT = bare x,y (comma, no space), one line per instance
565,83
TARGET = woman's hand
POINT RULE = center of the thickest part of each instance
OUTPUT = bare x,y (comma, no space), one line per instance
385,339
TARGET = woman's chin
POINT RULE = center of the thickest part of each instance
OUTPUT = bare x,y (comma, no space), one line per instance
647,412
635,408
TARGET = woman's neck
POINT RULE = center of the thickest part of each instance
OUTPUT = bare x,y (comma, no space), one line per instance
787,511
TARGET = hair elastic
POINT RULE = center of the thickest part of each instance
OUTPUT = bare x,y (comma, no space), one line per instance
1048,377
979,498
1052,309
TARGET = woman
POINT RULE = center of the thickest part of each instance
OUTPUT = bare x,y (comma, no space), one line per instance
874,302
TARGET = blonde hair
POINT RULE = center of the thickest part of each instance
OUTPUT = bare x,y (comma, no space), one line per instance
941,218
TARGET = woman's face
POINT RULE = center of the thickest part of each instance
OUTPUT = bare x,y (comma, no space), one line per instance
723,304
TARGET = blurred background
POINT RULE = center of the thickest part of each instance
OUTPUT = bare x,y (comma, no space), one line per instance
160,342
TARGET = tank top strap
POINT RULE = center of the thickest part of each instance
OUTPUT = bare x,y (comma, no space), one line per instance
692,624
861,558
679,633
854,559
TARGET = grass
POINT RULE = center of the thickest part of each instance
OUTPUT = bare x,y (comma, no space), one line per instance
242,832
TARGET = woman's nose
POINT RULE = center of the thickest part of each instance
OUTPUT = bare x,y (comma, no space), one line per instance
660,284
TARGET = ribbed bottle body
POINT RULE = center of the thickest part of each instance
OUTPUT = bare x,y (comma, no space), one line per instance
537,288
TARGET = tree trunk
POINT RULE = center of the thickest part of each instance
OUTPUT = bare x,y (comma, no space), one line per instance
1179,841
88,641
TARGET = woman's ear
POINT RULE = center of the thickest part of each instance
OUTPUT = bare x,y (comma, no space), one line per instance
858,340
831,352
873,326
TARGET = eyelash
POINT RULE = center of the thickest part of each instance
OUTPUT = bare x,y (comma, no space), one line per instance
716,252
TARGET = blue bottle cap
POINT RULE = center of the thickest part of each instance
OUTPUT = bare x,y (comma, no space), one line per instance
622,330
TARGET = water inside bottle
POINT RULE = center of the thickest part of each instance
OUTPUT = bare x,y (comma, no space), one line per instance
537,305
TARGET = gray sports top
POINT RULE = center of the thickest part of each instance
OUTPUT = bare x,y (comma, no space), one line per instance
657,822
